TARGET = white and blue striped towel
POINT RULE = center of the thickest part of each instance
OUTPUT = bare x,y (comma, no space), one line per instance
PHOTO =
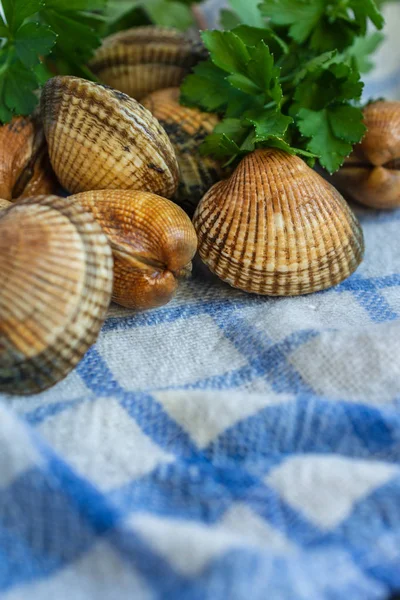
223,447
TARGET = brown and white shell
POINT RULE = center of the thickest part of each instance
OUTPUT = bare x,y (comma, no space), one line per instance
153,243
102,139
187,129
276,227
371,175
56,282
25,168
144,59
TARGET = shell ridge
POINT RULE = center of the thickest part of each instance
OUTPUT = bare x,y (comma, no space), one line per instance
332,246
257,218
304,218
223,220
317,266
296,245
349,227
295,216
76,112
276,196
344,256
57,353
232,269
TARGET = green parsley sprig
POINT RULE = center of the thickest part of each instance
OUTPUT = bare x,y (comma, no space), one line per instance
30,31
292,81
123,14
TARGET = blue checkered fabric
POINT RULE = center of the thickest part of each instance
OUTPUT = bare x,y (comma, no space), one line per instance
225,446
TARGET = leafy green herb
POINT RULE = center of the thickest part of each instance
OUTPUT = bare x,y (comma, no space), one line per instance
362,48
323,25
32,29
169,13
288,82
243,12
33,40
76,27
124,14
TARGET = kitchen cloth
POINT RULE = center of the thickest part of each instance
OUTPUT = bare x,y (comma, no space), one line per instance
224,447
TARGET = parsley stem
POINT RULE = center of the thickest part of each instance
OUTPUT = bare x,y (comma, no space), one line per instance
289,77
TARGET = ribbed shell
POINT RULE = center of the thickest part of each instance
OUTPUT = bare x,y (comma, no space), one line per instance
24,163
102,139
153,243
276,227
144,59
56,281
187,128
371,175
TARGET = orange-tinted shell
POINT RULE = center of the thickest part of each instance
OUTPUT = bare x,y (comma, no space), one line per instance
144,59
187,128
153,243
25,168
371,175
56,282
276,227
102,139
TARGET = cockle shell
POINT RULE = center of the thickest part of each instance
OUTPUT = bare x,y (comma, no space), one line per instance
144,59
187,128
153,243
276,227
102,139
56,282
371,175
24,163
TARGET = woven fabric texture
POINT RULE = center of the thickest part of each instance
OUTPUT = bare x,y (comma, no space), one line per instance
225,446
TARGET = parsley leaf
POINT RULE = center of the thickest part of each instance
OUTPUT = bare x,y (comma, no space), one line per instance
263,72
361,50
365,10
246,12
347,123
316,126
228,19
273,92
273,87
242,81
325,84
269,123
168,13
124,14
116,9
16,11
301,16
220,146
231,138
76,30
208,88
33,40
324,25
332,131
227,50
19,85
34,29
